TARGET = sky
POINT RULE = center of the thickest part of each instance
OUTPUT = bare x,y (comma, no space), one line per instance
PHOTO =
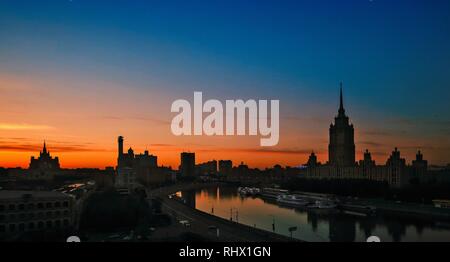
79,73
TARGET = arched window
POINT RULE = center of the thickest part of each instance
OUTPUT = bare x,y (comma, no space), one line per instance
31,226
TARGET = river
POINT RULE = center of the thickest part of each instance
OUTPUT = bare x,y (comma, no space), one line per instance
314,225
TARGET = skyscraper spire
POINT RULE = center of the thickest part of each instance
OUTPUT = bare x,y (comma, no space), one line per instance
341,106
44,150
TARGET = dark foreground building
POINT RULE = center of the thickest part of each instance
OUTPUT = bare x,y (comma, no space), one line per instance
27,211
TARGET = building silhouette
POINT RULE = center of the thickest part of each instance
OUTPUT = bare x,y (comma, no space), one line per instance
207,168
341,150
133,169
342,165
225,167
187,165
45,161
44,167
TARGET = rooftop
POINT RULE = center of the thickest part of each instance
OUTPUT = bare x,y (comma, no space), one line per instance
13,194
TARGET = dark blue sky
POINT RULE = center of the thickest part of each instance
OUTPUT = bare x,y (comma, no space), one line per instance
393,56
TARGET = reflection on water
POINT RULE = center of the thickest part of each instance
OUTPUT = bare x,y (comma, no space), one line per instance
313,225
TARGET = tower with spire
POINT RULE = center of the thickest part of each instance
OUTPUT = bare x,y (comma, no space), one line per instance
341,149
45,161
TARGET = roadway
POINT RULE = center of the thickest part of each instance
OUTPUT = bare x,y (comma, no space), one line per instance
207,225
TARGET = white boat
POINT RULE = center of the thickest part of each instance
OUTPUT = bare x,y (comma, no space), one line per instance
323,204
292,200
248,191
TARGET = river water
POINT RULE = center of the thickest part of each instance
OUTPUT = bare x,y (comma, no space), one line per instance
313,225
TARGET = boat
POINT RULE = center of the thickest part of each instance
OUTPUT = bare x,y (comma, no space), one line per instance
369,210
291,200
273,192
323,204
248,191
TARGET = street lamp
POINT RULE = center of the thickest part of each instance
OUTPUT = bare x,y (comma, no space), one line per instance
273,223
292,229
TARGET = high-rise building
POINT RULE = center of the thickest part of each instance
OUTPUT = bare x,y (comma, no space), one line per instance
341,150
225,167
45,161
187,166
131,166
341,163
420,165
207,168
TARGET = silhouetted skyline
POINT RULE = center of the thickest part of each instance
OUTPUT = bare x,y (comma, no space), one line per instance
78,73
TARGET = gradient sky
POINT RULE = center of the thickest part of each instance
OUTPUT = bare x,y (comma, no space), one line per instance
79,73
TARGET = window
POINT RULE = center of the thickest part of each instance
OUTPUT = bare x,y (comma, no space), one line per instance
12,227
49,205
66,204
21,207
57,204
57,213
2,207
2,229
31,206
66,213
49,224
2,217
41,205
12,207
40,225
49,214
57,223
21,227
31,226
66,222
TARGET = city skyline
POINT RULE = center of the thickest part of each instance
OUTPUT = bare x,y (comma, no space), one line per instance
341,147
78,74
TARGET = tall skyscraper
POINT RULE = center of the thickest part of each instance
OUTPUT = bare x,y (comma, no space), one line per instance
341,150
45,161
187,166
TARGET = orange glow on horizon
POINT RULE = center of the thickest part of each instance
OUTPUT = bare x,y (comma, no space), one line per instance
85,136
